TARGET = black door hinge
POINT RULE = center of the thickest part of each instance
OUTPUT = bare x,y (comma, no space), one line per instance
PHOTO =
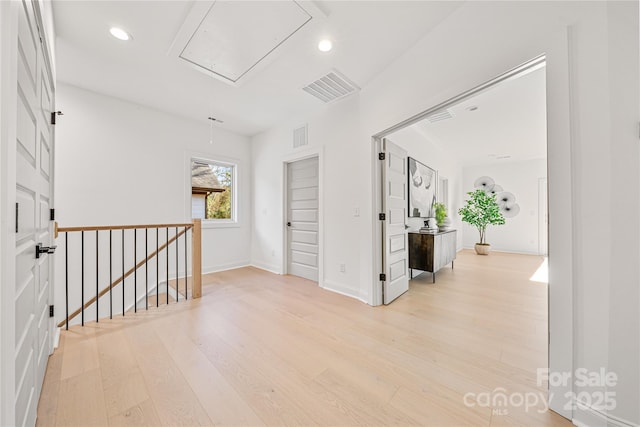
17,213
51,311
52,214
383,277
53,116
381,156
382,217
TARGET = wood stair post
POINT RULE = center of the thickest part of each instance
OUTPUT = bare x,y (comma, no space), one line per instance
196,258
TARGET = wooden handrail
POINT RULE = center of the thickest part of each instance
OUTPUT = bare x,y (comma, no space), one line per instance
195,225
119,227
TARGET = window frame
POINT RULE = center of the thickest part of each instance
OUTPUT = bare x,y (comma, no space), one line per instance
220,161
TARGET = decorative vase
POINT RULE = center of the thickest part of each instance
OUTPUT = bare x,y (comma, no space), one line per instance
446,224
483,248
431,223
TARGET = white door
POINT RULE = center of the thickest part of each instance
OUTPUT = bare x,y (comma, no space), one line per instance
302,218
394,234
34,183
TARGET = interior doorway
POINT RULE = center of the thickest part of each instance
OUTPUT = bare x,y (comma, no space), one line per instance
557,354
451,188
302,218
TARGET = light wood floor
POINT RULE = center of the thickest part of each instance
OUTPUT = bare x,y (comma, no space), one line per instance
262,349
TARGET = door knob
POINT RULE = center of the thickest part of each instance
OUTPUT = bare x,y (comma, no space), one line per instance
288,224
44,249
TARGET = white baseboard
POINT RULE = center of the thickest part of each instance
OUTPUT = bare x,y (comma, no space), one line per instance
266,267
224,267
206,269
56,338
586,416
365,298
342,290
471,248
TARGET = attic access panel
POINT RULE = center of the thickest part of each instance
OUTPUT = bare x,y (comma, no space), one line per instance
234,36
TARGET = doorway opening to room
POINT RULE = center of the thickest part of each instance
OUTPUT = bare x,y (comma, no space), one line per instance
492,139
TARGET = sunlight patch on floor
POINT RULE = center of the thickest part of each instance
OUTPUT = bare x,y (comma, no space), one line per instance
542,273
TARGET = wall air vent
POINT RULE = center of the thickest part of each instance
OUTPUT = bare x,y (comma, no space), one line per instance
300,136
438,117
331,87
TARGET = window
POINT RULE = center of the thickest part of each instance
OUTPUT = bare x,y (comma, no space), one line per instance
212,190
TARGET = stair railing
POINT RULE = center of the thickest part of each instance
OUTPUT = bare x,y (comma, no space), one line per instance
164,238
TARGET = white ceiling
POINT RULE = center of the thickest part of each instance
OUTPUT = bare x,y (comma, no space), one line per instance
367,36
508,125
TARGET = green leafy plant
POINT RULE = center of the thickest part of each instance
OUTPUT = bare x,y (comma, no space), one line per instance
441,213
481,210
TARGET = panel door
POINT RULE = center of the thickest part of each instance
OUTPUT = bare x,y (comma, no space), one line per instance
34,183
394,233
302,218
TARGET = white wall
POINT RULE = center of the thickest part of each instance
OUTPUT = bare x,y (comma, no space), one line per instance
519,234
586,75
436,157
342,182
121,163
623,334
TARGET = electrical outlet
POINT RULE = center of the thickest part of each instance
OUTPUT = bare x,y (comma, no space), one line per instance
343,268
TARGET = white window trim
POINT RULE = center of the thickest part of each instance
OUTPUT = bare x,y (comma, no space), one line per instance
235,221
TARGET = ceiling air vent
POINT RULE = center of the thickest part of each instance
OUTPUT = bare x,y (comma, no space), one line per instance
442,115
300,136
331,87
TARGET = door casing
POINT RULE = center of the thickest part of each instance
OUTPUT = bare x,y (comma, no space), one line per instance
561,237
302,155
296,268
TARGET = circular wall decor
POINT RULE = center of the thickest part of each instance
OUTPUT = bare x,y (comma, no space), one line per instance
484,182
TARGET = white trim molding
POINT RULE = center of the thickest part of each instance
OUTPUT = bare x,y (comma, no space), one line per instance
271,268
237,186
306,153
341,289
225,267
586,416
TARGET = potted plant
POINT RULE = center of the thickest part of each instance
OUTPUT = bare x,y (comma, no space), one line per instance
481,210
441,216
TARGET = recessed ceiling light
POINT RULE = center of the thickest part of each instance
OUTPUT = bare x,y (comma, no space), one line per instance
325,45
120,34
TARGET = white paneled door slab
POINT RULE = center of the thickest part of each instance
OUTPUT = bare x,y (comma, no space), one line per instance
394,233
34,185
302,218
